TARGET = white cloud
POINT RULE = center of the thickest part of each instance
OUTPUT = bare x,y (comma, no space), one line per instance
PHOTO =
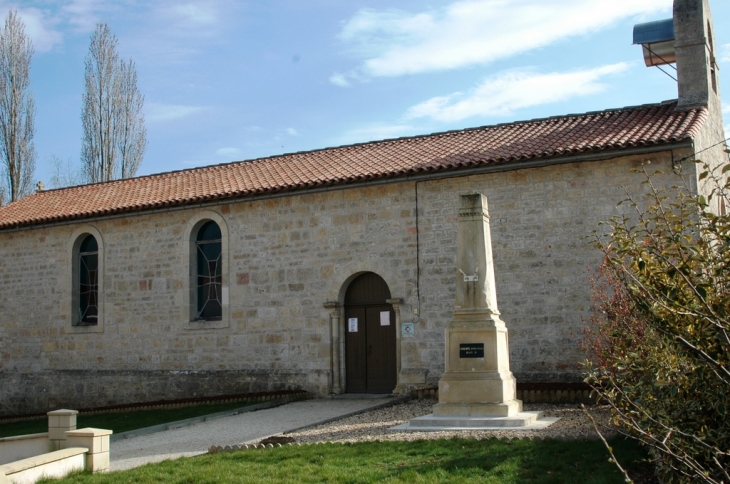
196,19
472,32
725,53
155,112
230,152
502,95
38,27
192,14
339,80
185,33
292,132
44,26
83,15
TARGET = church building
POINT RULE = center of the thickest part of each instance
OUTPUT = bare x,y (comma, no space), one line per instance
332,270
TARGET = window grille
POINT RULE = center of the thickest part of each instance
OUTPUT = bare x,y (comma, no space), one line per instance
209,274
88,282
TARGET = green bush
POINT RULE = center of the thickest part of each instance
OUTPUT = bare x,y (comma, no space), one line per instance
659,341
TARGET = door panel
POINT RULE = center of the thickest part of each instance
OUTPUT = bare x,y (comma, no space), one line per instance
356,354
381,364
370,356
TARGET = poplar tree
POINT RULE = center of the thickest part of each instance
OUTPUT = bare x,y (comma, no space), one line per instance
115,137
17,110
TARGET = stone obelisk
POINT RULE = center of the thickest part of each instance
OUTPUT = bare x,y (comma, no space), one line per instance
477,381
477,389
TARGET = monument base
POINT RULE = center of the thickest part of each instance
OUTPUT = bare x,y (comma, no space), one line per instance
433,423
477,387
486,410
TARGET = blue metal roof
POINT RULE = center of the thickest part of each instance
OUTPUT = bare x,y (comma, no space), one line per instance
652,32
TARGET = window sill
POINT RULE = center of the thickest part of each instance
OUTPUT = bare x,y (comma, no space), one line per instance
83,329
203,324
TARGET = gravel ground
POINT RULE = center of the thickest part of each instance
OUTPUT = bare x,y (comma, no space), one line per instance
373,425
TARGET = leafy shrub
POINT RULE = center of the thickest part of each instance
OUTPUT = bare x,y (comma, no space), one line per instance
659,345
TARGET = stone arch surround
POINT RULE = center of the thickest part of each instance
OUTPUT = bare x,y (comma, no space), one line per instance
335,306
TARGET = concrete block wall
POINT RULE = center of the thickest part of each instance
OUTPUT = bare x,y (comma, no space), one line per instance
286,257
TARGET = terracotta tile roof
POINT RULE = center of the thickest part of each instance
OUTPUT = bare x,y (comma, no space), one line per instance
649,125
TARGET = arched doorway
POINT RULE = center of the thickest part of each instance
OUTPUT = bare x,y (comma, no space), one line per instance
370,338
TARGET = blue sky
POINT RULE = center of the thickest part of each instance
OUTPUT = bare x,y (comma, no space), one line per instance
234,80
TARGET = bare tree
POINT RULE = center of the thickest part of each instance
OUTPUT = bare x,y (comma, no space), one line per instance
132,133
17,110
98,149
65,173
114,137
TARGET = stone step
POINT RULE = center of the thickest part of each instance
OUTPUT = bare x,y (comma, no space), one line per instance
520,421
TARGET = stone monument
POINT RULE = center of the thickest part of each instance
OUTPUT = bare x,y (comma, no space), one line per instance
477,389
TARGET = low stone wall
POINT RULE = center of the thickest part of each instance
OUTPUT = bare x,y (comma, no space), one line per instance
555,396
288,395
56,464
36,393
23,446
56,453
533,393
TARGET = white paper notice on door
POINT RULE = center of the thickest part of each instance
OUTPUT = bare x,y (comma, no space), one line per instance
384,318
352,325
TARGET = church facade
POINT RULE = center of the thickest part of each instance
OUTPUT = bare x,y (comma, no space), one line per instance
331,270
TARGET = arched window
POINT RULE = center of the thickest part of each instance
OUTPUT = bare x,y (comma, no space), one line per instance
88,282
208,251
206,297
713,75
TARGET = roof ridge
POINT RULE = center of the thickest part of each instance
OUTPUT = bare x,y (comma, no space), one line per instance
368,143
653,124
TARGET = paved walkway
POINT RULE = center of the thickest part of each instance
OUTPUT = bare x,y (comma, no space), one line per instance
238,429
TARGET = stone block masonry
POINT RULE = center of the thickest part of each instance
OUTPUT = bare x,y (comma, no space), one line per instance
285,258
100,388
540,222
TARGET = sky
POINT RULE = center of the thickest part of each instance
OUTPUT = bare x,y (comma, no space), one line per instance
231,80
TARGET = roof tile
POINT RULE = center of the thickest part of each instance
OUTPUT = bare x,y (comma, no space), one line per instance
648,125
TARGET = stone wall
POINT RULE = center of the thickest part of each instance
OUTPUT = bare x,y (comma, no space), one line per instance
540,221
285,258
25,392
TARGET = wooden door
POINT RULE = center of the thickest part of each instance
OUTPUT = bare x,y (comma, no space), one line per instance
370,356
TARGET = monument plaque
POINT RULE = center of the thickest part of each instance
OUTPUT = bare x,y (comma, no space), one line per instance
471,350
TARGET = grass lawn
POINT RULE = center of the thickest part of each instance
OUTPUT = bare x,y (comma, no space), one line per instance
423,461
121,422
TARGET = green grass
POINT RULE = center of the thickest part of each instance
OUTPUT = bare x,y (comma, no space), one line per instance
120,422
423,461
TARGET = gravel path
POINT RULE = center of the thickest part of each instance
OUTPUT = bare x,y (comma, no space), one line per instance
237,429
373,425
